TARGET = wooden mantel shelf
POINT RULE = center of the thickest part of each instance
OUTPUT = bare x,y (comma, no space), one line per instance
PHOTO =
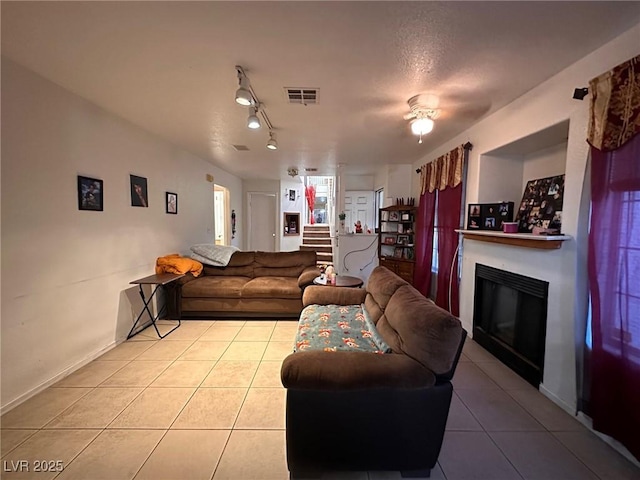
528,240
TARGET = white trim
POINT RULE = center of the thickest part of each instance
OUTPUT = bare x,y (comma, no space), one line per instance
56,378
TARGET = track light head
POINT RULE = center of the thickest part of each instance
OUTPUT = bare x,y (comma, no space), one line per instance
253,122
272,144
244,96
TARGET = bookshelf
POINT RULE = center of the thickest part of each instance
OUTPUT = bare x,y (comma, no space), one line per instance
396,240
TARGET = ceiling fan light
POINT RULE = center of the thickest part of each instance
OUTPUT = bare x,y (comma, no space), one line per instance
253,122
421,126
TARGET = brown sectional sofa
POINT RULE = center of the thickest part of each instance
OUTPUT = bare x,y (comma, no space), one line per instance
352,410
253,284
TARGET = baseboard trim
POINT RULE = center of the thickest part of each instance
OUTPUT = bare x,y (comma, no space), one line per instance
570,409
56,378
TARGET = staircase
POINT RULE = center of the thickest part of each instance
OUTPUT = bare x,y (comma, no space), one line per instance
318,238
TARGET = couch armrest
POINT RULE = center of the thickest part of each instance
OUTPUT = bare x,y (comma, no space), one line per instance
306,277
319,370
173,296
319,295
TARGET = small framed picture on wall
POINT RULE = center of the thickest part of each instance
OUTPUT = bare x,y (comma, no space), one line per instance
172,203
90,196
139,196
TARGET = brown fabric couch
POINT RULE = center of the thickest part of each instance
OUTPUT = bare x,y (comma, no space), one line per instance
253,284
365,411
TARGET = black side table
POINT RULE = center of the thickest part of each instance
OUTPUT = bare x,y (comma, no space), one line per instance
157,280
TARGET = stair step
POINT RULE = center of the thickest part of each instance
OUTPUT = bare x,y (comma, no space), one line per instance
316,228
316,241
318,248
316,234
324,257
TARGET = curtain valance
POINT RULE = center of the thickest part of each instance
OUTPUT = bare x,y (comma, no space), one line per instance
615,106
445,171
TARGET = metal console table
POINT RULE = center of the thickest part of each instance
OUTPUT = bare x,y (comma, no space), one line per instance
159,281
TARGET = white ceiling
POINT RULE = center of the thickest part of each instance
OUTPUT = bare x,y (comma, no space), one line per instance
169,68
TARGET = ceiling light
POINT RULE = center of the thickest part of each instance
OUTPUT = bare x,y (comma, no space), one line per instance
253,121
243,94
272,144
421,126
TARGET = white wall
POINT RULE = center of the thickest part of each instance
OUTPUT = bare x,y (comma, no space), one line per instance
66,295
548,104
548,162
292,242
359,182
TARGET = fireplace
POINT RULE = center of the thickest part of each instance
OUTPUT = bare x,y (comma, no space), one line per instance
510,319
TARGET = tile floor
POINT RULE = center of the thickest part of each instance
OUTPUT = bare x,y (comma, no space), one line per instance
206,403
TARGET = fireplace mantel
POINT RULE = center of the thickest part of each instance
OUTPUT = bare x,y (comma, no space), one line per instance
527,240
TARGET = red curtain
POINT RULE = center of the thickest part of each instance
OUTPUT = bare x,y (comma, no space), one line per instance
449,205
424,242
614,277
310,194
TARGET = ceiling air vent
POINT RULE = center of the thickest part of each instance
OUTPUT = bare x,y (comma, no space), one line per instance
302,96
241,148
310,169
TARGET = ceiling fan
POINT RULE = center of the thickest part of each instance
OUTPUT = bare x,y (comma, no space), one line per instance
423,110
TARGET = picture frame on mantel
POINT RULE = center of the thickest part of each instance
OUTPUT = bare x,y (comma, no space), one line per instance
541,205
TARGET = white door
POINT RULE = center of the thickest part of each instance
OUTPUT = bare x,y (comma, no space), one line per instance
263,221
358,205
221,214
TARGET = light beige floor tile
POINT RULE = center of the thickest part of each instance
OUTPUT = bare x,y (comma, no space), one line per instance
127,350
278,351
268,375
154,408
261,323
287,322
188,373
244,351
469,376
254,334
10,439
185,454
284,334
464,358
92,374
477,353
232,323
472,455
545,411
96,410
53,448
42,408
115,454
598,456
497,411
262,409
139,373
506,378
538,455
231,374
460,418
166,350
205,350
220,333
436,474
188,331
265,448
211,408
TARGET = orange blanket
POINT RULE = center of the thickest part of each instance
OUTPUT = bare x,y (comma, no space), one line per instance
174,263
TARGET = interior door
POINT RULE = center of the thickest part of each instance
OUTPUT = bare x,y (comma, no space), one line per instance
358,205
263,221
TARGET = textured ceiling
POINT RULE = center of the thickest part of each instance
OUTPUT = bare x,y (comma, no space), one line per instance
169,68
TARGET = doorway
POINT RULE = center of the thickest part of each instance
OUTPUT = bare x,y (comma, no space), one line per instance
221,215
324,204
263,221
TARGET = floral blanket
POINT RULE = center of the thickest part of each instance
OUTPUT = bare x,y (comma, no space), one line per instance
337,327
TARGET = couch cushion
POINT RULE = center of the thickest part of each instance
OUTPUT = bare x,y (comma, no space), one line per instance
334,328
381,286
272,287
240,265
414,325
214,286
283,264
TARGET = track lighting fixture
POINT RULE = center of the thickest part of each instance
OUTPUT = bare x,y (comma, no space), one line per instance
243,95
272,144
253,122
